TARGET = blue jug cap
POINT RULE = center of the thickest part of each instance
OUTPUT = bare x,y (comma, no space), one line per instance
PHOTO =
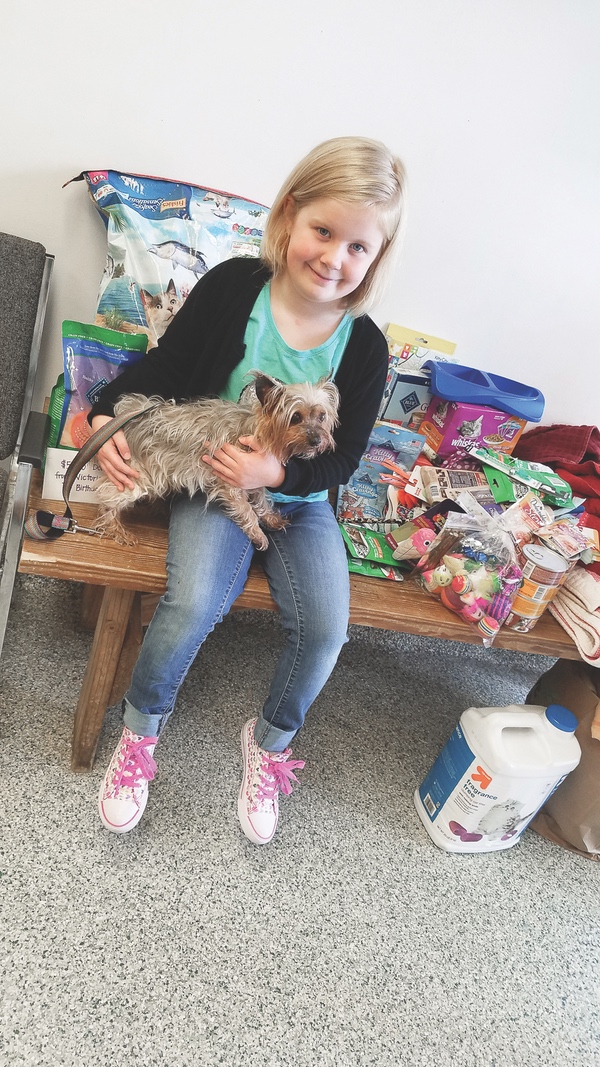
562,718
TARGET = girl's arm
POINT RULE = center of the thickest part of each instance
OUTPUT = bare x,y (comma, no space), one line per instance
114,456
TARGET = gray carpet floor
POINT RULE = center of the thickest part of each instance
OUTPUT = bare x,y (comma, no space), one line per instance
350,940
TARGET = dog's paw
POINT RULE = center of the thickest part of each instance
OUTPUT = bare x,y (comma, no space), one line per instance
260,541
125,538
274,520
115,532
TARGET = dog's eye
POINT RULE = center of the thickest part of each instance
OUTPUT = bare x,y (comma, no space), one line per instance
321,416
296,418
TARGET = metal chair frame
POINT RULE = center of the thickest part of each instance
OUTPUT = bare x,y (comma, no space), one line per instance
27,455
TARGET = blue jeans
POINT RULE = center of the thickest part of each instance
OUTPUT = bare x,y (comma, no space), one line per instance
207,566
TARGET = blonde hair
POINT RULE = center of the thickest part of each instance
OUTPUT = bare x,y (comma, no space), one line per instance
353,170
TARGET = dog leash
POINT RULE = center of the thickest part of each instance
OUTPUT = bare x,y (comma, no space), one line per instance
46,525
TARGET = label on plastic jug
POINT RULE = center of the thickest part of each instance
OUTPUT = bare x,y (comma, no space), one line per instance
470,807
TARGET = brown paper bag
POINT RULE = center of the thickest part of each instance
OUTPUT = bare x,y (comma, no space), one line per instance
571,816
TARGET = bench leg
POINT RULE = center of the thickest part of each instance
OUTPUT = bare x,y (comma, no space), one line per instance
91,602
100,675
129,652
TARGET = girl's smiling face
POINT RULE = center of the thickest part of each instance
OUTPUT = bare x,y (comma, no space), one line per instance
332,244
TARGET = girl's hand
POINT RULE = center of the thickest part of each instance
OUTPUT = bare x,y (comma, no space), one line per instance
114,455
250,469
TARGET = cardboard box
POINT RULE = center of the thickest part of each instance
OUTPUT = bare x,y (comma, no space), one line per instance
407,401
449,426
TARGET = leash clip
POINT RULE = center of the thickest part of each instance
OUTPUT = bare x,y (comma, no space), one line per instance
75,528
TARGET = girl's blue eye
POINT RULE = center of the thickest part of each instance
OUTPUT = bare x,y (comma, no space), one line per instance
323,231
357,248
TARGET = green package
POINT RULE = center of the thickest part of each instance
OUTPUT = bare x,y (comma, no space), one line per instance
56,409
553,489
374,570
365,544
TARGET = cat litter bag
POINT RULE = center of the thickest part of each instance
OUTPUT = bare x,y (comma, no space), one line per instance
92,357
162,237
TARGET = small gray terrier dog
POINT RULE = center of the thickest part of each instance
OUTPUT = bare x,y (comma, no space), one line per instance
167,445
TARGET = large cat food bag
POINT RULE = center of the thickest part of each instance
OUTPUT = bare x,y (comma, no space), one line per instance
162,237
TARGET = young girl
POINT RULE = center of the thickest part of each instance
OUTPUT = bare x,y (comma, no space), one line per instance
297,314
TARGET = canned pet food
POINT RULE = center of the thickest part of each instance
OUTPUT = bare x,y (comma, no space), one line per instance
519,623
534,591
531,609
543,566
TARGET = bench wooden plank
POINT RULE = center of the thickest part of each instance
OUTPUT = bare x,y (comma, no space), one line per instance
119,615
400,606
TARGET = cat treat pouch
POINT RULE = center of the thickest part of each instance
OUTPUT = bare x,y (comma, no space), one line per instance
162,236
365,544
472,568
92,358
370,495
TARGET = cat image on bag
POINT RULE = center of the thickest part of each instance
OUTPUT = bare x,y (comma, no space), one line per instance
160,310
471,427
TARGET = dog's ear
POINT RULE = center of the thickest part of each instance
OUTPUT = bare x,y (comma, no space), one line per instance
330,389
264,385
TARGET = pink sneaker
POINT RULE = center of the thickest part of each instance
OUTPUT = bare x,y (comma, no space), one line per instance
124,791
265,773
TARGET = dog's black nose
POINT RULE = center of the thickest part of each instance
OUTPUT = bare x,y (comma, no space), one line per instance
313,439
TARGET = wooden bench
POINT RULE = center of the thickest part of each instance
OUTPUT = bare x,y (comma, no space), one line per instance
121,586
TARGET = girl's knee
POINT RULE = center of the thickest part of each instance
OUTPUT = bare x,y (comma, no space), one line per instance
325,633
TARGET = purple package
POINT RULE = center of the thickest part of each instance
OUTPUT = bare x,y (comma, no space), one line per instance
449,426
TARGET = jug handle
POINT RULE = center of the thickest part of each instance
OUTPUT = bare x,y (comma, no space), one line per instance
528,719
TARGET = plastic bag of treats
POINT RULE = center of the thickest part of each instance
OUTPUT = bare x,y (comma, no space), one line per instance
472,568
162,236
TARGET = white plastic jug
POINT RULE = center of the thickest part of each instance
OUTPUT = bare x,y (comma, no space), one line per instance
496,770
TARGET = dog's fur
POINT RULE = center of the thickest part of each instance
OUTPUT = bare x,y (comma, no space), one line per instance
167,445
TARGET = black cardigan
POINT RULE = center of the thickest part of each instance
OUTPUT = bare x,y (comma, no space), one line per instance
205,341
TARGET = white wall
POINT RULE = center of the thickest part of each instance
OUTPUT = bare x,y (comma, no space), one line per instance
491,103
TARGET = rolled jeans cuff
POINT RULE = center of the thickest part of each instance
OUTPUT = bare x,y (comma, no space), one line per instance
270,737
143,725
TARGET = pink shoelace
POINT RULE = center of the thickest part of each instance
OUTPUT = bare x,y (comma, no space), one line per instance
137,763
275,775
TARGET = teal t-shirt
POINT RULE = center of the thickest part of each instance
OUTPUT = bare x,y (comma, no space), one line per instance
266,351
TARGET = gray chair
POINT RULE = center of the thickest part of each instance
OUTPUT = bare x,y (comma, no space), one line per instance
25,271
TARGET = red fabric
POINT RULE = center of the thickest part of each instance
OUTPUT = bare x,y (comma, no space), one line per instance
582,483
559,443
574,453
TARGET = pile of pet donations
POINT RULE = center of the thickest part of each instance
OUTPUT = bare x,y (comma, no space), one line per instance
500,524
449,492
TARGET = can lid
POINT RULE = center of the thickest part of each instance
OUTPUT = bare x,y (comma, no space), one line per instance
545,558
562,718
